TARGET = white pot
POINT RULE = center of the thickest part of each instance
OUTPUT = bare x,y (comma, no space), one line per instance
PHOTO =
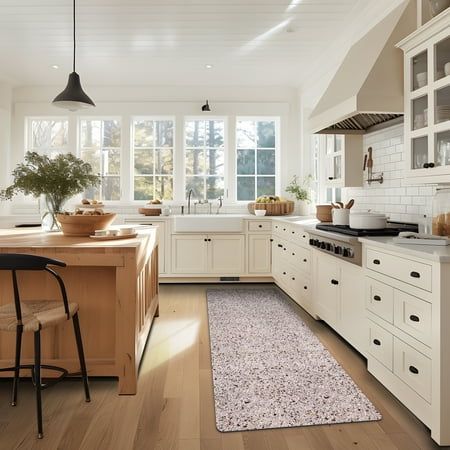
340,216
302,208
367,221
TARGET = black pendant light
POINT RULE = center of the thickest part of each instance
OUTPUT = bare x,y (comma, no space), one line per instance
73,97
206,107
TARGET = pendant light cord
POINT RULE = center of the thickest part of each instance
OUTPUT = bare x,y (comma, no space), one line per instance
74,41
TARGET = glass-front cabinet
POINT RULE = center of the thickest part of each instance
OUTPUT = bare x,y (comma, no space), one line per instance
343,160
427,101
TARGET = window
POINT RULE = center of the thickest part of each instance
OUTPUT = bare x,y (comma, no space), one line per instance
47,136
100,145
256,142
205,158
153,159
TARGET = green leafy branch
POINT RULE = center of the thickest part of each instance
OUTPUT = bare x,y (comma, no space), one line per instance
300,190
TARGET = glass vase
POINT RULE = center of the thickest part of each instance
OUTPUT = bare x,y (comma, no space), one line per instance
49,207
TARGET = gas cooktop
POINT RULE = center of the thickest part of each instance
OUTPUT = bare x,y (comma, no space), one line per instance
392,229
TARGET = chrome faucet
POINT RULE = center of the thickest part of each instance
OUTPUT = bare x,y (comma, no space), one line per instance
189,201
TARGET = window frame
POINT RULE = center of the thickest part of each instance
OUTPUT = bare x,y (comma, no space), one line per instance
132,119
277,120
121,121
189,118
28,132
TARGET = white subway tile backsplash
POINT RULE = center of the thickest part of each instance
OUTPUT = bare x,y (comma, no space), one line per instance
400,203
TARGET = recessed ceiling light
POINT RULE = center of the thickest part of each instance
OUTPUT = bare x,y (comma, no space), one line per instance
55,66
208,66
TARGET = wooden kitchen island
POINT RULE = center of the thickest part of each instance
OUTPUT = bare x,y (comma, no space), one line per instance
115,283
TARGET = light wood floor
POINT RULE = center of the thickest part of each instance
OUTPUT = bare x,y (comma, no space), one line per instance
174,407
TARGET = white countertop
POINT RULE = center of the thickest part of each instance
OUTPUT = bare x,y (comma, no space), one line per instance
430,252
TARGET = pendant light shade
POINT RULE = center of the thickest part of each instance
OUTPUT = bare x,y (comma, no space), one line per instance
73,97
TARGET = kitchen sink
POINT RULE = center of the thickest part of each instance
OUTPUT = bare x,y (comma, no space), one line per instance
208,223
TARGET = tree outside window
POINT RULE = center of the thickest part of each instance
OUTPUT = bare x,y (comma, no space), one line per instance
205,158
256,142
153,146
100,146
47,136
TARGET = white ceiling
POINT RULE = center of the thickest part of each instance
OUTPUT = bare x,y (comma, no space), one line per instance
168,42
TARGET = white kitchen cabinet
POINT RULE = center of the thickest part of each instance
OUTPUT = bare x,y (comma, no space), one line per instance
205,254
343,160
338,297
427,102
226,254
189,254
259,254
408,314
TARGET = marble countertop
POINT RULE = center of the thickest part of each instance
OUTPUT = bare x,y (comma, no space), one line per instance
430,252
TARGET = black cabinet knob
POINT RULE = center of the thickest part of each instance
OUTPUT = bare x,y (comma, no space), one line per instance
331,178
304,236
414,318
293,254
430,165
305,260
260,226
271,240
335,282
305,287
284,273
293,278
377,298
206,240
209,240
413,370
279,245
426,165
377,262
377,342
415,274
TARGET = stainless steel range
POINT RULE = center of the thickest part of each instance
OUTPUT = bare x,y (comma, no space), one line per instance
342,241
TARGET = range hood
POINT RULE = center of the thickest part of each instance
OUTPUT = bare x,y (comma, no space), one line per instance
367,89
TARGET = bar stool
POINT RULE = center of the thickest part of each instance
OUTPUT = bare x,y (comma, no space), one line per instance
35,316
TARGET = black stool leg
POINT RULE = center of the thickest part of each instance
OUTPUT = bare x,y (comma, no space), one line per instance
37,380
17,364
76,328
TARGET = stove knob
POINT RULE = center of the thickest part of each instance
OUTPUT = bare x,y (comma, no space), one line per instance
351,253
323,245
328,246
311,242
317,243
345,252
337,249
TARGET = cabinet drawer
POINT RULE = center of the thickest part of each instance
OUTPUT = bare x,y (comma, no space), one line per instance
299,257
413,368
411,272
381,344
413,316
259,225
380,299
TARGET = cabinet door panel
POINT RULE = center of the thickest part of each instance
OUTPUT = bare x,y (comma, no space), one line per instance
226,254
327,291
259,254
189,254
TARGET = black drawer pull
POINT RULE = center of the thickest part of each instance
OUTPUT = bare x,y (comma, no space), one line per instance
414,318
331,178
305,287
293,278
206,240
335,282
293,232
377,298
284,248
279,245
413,370
293,254
271,240
284,273
377,342
284,229
304,236
305,260
377,262
260,226
415,274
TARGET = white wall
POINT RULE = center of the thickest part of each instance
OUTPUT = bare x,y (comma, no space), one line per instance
398,201
5,137
173,101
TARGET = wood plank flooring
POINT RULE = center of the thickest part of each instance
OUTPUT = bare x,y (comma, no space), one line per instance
174,408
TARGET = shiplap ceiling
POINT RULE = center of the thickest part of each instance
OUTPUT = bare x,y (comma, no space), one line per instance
165,42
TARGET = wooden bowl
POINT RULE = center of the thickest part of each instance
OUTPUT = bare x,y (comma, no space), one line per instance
323,213
84,225
150,211
273,209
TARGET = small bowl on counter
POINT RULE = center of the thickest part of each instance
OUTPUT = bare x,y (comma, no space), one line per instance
260,212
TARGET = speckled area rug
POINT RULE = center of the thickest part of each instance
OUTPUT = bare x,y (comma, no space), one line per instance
270,370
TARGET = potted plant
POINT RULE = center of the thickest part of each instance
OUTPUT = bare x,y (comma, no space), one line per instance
301,193
52,180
